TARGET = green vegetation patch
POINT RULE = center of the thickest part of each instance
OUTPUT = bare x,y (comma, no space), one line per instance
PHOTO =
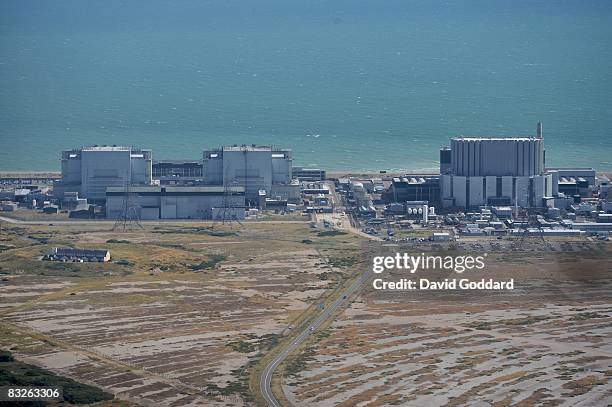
208,264
299,363
587,315
243,346
122,241
508,322
63,266
326,275
196,230
15,230
14,373
4,247
340,262
525,321
241,385
327,233
5,356
39,239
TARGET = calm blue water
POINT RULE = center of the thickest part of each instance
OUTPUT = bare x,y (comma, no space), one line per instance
347,84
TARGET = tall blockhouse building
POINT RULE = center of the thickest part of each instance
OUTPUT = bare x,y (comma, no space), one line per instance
89,171
496,171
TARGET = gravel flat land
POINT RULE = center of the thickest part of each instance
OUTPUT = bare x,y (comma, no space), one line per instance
181,320
548,342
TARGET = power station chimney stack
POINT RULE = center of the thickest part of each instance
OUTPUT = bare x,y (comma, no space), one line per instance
539,130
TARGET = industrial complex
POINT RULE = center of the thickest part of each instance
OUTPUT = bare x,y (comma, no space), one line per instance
237,271
485,185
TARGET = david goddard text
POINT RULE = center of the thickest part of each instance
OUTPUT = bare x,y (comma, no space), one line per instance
421,262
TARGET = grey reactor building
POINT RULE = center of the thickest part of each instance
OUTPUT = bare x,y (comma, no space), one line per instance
496,171
226,181
89,171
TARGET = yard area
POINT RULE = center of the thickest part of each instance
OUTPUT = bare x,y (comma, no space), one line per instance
180,315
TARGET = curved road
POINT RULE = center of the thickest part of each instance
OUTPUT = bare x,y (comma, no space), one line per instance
265,382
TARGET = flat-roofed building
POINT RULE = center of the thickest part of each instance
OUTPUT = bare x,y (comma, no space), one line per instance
177,202
413,188
572,181
308,174
587,174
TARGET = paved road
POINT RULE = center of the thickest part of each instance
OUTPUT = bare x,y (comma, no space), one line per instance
339,218
265,382
144,222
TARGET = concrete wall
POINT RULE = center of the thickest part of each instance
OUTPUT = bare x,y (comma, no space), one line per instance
477,193
459,191
213,167
114,206
174,202
555,182
542,187
549,185
142,168
149,213
71,167
522,192
281,167
507,187
445,189
491,187
103,169
187,207
289,192
538,190
252,167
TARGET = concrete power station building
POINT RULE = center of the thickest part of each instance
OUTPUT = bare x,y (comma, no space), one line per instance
178,202
262,171
90,171
496,171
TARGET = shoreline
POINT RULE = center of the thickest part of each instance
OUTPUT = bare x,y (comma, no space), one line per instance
330,174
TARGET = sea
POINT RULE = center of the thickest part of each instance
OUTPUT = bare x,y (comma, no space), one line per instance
355,85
